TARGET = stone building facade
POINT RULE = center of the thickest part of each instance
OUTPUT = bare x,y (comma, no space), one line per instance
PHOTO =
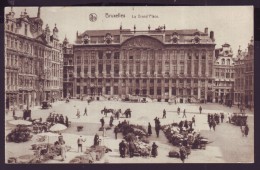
224,75
32,61
160,64
68,68
244,77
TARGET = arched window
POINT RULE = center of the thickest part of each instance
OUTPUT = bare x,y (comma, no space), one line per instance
223,61
12,27
228,61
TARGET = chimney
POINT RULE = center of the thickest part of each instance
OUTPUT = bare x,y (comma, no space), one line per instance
206,30
211,35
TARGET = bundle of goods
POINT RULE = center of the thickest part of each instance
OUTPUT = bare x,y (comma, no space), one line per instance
141,148
51,147
19,134
174,154
24,159
97,152
184,136
135,129
82,159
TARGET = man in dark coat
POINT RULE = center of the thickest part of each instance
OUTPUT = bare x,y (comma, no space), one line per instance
200,109
96,139
131,149
111,121
85,112
222,117
122,148
154,150
67,121
164,113
102,122
246,130
149,129
157,130
184,114
178,110
116,131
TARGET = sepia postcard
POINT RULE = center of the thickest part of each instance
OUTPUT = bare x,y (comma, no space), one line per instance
116,85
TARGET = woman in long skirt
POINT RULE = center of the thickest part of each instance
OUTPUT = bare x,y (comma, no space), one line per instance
149,129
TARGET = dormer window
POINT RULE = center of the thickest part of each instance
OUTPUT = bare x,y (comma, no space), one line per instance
196,39
86,39
108,38
175,38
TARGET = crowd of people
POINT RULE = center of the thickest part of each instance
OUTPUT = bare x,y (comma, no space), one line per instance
214,119
58,118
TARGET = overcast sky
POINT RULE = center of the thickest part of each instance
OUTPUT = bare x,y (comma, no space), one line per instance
233,25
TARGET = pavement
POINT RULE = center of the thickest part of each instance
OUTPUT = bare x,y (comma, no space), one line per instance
228,145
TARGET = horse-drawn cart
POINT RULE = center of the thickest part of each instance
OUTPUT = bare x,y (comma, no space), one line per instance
239,119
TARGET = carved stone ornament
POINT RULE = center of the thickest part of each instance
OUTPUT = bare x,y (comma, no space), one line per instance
143,42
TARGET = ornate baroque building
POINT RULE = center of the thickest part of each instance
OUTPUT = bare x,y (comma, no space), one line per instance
244,77
33,61
160,64
224,75
68,68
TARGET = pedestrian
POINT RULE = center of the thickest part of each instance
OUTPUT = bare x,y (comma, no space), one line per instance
96,140
149,129
193,120
111,121
210,124
214,125
131,149
154,150
116,131
63,150
246,130
178,110
200,109
78,113
184,114
67,121
85,112
164,113
122,148
186,124
155,121
102,122
157,130
183,153
13,112
222,117
80,142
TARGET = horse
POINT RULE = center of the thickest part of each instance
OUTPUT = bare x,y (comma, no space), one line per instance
127,113
106,111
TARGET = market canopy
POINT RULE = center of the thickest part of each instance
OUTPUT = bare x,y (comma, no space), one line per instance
20,122
58,127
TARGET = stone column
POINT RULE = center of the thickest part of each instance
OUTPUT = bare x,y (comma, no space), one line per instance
199,92
163,61
199,65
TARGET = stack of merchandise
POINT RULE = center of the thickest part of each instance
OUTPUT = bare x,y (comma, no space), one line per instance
19,134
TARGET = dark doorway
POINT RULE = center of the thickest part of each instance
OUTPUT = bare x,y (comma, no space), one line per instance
181,100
